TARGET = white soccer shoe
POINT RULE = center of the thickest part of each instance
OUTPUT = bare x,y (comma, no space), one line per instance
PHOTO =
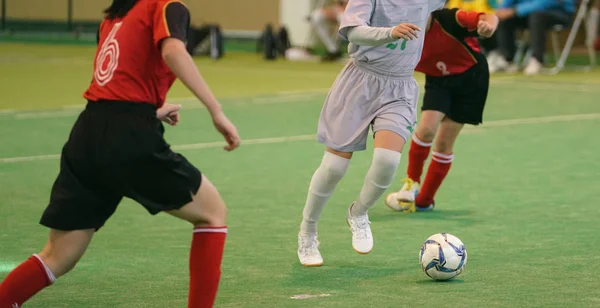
308,250
404,200
362,238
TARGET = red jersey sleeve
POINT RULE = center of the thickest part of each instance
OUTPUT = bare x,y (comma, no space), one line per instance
171,19
457,23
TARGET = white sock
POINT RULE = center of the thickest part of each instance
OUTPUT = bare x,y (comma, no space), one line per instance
49,273
592,25
319,21
322,185
378,179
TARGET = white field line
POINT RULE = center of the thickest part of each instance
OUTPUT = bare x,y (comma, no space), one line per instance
189,103
307,95
284,139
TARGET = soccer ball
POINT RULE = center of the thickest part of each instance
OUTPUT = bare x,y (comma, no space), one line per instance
443,256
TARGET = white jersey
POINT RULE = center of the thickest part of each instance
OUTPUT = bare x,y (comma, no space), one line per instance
396,58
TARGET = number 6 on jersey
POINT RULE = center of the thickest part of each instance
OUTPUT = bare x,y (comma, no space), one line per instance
108,57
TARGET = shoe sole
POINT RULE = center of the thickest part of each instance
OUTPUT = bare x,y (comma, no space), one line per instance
359,252
312,265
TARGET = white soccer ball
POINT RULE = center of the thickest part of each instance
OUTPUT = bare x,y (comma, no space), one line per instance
443,256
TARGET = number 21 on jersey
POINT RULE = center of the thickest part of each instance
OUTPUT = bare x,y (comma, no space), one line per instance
107,60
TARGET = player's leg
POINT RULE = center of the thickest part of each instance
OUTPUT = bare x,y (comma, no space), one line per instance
321,19
170,183
436,103
59,256
322,184
207,213
343,129
440,163
467,108
386,157
593,22
394,121
76,209
404,200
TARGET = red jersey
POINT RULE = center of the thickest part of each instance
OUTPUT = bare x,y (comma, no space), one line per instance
451,46
128,64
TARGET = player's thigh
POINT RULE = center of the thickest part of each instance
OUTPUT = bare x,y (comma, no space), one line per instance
428,124
468,103
396,117
164,181
436,103
438,94
346,155
78,200
207,208
393,126
348,111
391,140
446,136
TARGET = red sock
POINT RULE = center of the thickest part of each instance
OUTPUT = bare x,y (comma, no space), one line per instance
24,282
438,169
205,265
419,150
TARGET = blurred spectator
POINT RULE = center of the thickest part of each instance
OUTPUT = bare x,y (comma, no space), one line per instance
593,25
535,15
322,20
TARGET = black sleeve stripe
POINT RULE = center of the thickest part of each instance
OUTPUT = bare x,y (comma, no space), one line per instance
447,19
177,17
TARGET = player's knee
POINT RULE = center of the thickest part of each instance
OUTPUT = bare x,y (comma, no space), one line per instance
425,133
385,163
334,167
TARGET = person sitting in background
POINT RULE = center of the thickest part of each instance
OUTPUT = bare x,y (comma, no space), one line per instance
535,15
592,25
321,19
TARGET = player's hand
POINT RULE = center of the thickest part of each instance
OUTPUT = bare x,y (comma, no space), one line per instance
169,114
485,29
405,31
228,130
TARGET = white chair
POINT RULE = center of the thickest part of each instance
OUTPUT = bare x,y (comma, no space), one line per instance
560,56
580,17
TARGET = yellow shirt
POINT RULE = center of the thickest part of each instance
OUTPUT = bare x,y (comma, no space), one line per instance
471,5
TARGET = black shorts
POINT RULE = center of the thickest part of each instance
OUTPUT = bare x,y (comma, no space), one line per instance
116,150
460,97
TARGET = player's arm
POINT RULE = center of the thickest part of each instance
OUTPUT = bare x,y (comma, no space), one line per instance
355,26
461,23
170,34
375,36
171,31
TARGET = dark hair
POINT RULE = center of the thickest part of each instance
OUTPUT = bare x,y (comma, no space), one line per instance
119,8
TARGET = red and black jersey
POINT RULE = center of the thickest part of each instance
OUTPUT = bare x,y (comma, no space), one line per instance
128,64
451,45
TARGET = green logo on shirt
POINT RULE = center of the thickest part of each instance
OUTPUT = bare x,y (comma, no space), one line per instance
393,46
